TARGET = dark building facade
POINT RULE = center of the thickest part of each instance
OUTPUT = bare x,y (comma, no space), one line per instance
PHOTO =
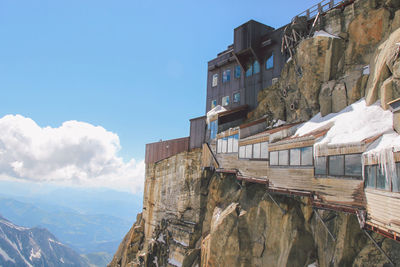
247,66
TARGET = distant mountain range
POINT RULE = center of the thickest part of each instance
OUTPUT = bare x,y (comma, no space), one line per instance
20,246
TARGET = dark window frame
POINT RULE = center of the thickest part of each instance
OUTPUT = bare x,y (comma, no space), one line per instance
225,77
328,175
237,73
289,158
366,175
252,152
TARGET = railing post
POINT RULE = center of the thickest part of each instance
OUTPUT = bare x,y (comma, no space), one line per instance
319,8
308,13
331,4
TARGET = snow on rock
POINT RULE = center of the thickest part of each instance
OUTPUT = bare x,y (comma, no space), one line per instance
5,256
174,262
350,126
35,255
181,243
324,34
279,123
214,112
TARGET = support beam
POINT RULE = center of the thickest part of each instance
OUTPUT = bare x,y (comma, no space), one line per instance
379,248
276,203
323,223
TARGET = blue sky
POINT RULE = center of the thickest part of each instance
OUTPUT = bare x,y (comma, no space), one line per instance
136,68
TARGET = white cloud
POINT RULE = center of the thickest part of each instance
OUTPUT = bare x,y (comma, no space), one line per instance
76,153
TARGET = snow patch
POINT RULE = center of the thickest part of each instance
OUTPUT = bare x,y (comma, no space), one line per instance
5,256
62,260
181,243
155,261
13,226
365,70
161,239
325,34
35,255
314,264
56,242
279,123
174,262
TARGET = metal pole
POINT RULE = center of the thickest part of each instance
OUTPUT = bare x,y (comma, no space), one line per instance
379,248
323,223
283,211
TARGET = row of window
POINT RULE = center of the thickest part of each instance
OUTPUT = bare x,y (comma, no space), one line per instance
302,156
228,144
252,68
339,165
375,178
226,100
254,151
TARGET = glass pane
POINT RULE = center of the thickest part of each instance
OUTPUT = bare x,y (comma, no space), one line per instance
257,151
237,72
224,144
215,80
270,62
230,143
381,182
249,151
320,166
256,67
225,100
307,156
235,143
284,157
370,176
273,158
219,146
336,165
264,150
226,76
213,129
295,156
249,70
213,104
236,98
353,165
396,179
242,152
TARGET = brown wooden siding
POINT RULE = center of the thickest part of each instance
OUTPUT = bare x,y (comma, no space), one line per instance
165,149
198,129
383,209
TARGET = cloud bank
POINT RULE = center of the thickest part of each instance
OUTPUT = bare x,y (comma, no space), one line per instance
76,153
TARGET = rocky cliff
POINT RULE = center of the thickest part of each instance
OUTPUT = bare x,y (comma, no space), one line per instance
196,217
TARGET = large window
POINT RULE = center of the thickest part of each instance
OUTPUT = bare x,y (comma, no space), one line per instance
375,178
225,101
254,151
228,144
215,80
256,67
236,98
237,72
249,70
213,127
269,63
339,165
226,76
302,156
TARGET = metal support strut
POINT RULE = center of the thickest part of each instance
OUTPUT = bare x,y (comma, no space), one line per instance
276,203
379,248
323,223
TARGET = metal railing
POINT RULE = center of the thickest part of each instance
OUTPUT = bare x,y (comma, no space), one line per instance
321,7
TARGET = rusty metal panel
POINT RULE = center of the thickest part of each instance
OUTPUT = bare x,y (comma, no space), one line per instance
197,132
165,149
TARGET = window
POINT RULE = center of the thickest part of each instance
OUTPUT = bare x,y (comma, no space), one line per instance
226,76
213,127
269,63
257,151
236,98
256,67
396,179
237,72
307,156
228,144
381,181
353,165
336,165
295,156
375,178
225,100
264,150
249,151
249,70
213,103
242,152
370,176
320,166
284,157
215,80
274,158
